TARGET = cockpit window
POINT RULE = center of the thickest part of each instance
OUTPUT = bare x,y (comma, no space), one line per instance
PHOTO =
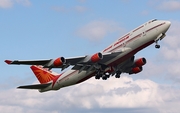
154,20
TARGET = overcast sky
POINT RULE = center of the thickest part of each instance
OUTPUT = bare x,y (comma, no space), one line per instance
34,29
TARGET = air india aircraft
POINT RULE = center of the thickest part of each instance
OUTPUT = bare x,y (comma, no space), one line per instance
117,58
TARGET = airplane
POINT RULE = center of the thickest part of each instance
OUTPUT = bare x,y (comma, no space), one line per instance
115,59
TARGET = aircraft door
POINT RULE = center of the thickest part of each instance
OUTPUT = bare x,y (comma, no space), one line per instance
144,30
124,45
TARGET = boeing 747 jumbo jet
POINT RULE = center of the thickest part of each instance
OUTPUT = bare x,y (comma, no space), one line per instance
117,58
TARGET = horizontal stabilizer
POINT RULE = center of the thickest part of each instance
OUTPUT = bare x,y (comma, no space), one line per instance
36,86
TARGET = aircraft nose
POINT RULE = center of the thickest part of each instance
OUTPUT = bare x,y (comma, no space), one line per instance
168,24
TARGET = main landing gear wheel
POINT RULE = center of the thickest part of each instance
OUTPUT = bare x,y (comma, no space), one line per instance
100,73
157,46
104,77
97,77
118,74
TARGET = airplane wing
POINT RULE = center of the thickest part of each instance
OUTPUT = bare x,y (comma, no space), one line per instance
36,86
71,61
79,62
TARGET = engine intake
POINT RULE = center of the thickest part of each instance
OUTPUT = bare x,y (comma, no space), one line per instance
96,57
55,62
140,62
59,61
136,70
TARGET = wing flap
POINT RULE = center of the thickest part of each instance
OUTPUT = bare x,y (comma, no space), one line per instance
35,86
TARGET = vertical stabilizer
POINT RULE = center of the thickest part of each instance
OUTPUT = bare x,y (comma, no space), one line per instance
43,74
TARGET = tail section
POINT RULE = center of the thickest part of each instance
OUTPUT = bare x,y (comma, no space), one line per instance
43,74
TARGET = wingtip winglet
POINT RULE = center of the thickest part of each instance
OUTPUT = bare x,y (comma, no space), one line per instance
8,61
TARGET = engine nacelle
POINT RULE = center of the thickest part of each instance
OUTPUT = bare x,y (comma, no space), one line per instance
56,62
140,62
96,57
136,70
59,61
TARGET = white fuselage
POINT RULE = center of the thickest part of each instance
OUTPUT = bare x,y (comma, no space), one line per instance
135,40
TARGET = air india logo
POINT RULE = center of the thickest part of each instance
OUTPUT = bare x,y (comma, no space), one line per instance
42,75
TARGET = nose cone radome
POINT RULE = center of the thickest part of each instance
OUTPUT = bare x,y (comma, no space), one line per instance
168,24
165,27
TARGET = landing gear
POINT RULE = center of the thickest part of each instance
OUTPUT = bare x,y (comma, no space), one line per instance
118,74
100,73
160,37
157,46
107,75
97,77
104,77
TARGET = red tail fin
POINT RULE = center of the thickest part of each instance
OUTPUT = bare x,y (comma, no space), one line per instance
42,74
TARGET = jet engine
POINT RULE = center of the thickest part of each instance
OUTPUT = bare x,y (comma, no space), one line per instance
96,57
140,62
56,62
136,70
